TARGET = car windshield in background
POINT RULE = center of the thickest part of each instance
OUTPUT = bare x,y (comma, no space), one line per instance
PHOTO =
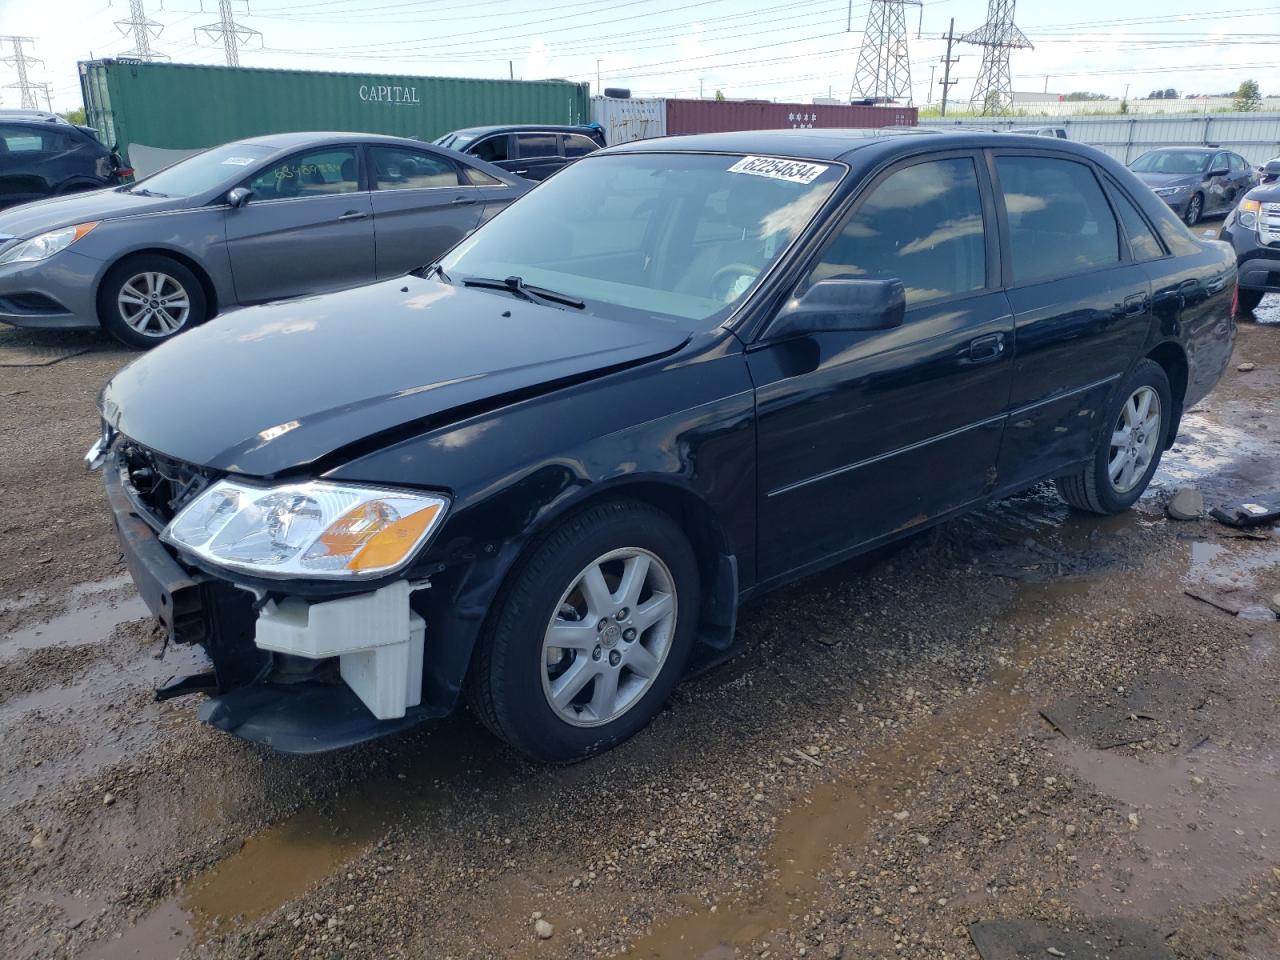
683,237
1172,161
204,171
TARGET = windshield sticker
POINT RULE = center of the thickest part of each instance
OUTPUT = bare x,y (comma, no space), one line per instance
793,171
237,161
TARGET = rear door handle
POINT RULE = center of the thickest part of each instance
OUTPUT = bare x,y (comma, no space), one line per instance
461,201
985,349
353,215
1135,304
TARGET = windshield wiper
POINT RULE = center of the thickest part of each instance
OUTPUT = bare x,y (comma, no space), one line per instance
144,192
517,286
430,269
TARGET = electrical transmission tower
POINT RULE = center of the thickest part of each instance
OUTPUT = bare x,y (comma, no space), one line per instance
232,35
884,70
143,30
997,37
20,60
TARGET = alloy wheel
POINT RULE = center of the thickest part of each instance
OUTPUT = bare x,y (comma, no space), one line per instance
609,638
1134,440
154,304
1193,211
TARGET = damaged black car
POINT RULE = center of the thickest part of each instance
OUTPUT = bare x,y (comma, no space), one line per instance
542,474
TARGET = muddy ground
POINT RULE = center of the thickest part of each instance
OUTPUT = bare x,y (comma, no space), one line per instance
872,776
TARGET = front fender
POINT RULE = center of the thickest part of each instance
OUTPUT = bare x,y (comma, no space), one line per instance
679,431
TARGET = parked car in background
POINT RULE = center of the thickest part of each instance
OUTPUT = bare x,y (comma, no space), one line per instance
1058,132
1253,230
677,374
529,151
1195,181
43,155
1269,172
247,222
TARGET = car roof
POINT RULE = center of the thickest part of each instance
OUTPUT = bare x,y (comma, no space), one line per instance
305,138
41,116
519,128
1184,149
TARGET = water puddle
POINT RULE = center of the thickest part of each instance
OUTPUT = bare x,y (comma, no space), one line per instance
89,624
159,935
1207,821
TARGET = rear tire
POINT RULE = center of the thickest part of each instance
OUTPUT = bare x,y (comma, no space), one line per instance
1130,444
624,646
1247,300
145,300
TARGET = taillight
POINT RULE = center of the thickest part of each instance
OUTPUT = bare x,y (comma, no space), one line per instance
124,173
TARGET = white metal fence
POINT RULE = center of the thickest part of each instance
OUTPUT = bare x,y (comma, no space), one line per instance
1255,136
627,120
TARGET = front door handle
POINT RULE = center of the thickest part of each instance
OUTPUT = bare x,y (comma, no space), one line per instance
988,348
520,171
353,215
461,201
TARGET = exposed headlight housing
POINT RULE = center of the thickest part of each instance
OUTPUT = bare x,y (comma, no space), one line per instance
46,245
1247,213
1168,191
310,530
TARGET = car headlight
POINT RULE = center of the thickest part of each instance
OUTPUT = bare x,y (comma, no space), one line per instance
47,244
1168,191
313,529
1247,213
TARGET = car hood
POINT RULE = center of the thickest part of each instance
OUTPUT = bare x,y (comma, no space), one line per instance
271,389
1169,179
32,219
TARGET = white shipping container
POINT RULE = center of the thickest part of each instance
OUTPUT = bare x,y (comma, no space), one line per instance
630,119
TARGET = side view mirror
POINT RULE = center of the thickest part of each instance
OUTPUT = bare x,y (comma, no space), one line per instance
239,196
842,305
1220,172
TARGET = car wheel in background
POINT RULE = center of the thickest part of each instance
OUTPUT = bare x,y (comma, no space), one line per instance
146,300
1129,450
1247,300
590,634
1195,207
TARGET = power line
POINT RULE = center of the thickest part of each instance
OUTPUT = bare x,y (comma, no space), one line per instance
144,30
20,60
232,35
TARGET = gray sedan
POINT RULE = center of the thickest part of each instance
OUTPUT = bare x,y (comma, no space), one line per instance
1195,181
247,222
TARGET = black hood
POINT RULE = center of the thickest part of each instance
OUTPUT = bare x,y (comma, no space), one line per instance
270,389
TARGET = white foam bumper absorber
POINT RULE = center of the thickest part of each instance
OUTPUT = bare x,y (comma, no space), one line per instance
377,638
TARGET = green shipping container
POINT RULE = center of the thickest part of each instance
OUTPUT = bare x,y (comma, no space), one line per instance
185,107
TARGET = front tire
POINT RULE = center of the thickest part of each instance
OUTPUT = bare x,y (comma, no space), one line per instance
1129,446
590,635
1195,208
144,301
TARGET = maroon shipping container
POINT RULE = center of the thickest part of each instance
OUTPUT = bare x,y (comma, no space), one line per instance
714,116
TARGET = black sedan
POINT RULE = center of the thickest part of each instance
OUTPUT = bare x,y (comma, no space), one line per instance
532,151
543,473
43,155
1195,181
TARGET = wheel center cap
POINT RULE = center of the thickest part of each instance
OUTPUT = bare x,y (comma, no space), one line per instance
610,636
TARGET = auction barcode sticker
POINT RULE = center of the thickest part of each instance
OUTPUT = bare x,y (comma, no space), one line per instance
794,171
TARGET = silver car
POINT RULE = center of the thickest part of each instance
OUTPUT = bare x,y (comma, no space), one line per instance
247,222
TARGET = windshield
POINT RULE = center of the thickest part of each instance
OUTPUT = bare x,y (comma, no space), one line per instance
204,171
1172,161
678,237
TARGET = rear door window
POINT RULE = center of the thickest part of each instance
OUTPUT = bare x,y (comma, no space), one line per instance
15,138
537,145
1143,244
922,225
395,168
1059,219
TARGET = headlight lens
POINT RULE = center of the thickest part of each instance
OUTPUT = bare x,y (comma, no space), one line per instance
1168,191
1247,213
47,244
311,530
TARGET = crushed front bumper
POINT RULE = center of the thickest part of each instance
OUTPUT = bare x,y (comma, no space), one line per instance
249,698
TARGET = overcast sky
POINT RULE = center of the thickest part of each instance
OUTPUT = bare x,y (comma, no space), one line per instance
774,49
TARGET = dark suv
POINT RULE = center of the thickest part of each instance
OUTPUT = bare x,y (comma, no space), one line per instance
43,155
1253,229
533,152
